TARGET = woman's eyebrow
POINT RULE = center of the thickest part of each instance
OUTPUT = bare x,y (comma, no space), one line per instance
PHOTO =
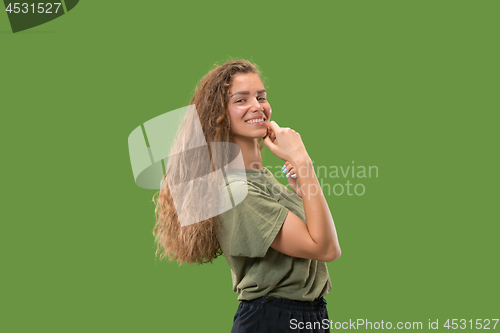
247,92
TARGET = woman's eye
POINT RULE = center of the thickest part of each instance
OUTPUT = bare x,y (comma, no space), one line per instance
262,98
240,100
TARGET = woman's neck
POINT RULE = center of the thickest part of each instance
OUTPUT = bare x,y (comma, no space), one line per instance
250,152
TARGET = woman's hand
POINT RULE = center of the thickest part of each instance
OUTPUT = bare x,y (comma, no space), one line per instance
291,175
285,143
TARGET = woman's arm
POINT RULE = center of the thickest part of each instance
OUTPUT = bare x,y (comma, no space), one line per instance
318,239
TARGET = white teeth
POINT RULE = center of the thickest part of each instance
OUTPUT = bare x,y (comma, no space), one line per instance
255,121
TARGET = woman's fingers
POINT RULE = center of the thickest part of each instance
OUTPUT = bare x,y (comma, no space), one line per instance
273,126
285,143
289,170
272,135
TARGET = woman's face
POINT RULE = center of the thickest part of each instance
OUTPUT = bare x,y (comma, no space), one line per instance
248,105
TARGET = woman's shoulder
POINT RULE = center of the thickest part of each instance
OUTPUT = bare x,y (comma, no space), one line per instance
246,193
242,180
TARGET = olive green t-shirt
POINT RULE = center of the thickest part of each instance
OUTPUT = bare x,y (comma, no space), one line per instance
247,231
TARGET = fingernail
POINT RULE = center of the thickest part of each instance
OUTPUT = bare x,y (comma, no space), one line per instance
294,176
288,175
284,167
285,171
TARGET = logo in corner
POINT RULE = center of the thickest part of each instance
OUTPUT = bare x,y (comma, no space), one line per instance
28,14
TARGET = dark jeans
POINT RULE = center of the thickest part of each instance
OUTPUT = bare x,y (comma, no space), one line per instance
279,315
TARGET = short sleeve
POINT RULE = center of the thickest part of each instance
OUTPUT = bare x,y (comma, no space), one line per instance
249,228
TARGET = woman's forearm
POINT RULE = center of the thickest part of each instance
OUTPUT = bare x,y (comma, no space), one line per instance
319,219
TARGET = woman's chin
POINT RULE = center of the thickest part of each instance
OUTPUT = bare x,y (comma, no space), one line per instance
261,135
253,135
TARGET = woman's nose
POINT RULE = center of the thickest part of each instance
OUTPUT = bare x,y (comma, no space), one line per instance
256,105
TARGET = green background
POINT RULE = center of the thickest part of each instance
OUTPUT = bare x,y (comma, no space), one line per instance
408,86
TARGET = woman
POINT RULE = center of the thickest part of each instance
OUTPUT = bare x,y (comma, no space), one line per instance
277,261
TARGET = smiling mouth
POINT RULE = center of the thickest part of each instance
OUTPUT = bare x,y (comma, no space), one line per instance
255,121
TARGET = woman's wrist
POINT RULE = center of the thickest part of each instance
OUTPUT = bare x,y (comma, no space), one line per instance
302,161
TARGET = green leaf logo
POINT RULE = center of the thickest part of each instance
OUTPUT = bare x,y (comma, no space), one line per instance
28,14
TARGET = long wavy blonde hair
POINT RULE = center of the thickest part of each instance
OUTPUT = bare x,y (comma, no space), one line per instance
197,243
